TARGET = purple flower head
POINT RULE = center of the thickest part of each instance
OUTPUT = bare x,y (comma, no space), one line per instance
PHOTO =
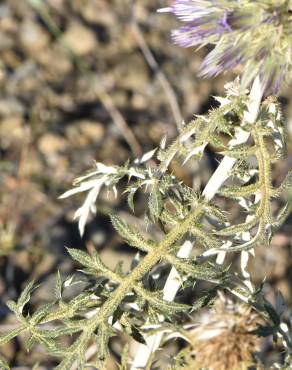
256,34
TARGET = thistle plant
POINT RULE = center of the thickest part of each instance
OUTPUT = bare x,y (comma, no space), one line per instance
248,130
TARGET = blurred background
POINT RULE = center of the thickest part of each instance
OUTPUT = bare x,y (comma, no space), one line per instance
84,80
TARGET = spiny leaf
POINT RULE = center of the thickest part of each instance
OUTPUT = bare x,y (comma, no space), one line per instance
239,191
241,151
5,338
12,306
203,272
132,191
207,240
105,332
259,238
189,195
41,313
155,203
155,300
83,300
82,257
166,156
53,348
205,129
243,171
30,343
93,263
204,301
234,229
75,353
170,201
60,332
216,141
216,212
25,296
131,234
169,218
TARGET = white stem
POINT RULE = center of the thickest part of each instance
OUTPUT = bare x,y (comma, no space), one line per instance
143,352
221,174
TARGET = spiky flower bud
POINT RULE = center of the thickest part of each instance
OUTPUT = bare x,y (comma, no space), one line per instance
257,34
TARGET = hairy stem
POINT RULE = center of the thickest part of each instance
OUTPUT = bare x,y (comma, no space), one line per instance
127,284
221,174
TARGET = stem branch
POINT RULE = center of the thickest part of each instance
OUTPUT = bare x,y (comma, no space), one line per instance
221,174
128,283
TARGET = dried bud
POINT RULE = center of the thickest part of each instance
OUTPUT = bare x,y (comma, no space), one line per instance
223,340
257,34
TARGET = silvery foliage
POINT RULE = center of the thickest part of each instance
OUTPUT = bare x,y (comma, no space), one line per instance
112,301
105,302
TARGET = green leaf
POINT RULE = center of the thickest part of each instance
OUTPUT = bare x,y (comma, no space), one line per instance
131,234
25,296
30,343
155,300
60,332
239,191
204,301
12,306
82,257
207,240
52,347
132,191
5,338
93,263
241,151
202,272
155,203
41,313
217,141
234,229
83,300
216,212
105,332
